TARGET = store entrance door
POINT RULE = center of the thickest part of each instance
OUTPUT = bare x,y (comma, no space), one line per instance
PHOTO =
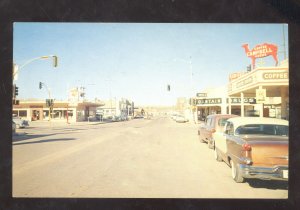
36,115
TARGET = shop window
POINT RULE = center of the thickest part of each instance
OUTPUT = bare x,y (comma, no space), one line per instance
23,113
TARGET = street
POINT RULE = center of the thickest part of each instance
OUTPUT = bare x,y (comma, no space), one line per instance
140,158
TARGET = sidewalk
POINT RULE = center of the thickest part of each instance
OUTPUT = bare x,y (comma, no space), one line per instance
61,123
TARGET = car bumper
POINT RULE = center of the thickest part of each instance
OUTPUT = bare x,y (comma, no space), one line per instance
266,173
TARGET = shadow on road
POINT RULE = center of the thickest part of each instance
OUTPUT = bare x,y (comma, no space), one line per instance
26,137
68,129
268,184
43,141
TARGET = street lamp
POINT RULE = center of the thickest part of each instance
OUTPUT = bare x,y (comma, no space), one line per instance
17,68
191,83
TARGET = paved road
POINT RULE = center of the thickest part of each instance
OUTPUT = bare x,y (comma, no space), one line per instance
156,158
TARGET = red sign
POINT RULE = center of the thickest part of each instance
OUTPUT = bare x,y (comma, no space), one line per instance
260,51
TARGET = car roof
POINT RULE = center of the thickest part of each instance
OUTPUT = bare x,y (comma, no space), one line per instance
257,120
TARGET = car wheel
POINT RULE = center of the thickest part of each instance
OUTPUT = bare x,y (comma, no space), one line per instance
217,155
235,172
210,144
201,140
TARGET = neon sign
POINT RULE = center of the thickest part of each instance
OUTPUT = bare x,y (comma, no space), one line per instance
260,51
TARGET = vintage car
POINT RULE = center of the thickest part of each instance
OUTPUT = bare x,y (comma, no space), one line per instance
20,123
181,118
213,128
256,147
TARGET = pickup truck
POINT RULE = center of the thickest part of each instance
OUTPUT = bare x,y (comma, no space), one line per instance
256,148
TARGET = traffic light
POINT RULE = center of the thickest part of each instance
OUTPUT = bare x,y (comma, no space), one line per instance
55,61
249,68
40,85
16,90
16,102
49,102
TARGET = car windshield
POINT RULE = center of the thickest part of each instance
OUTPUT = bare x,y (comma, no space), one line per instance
222,121
263,129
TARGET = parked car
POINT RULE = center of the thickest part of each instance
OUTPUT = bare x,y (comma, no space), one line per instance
181,119
138,116
212,128
256,148
173,116
20,123
116,118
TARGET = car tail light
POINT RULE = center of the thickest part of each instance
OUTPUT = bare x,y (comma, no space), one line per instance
246,147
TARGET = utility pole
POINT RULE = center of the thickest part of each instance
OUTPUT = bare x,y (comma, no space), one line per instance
284,49
49,102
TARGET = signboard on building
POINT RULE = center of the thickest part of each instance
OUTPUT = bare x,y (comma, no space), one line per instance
209,101
260,95
235,75
275,75
201,95
260,51
244,82
238,100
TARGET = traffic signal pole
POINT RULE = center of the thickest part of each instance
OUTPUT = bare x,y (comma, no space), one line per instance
41,84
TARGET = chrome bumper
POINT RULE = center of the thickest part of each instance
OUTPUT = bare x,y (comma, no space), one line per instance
266,173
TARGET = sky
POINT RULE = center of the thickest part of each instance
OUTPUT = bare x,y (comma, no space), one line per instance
136,61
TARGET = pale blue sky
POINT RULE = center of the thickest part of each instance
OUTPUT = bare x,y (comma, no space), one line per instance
135,60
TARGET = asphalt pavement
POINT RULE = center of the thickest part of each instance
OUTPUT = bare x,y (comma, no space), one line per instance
140,158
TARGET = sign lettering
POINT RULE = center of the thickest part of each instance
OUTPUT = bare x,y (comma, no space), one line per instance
244,82
260,51
238,100
275,75
201,94
209,101
261,95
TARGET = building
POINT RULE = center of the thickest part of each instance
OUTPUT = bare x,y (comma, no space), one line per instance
36,109
269,86
116,107
241,97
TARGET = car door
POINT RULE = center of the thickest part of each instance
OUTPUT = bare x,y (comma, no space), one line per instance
227,146
233,143
220,138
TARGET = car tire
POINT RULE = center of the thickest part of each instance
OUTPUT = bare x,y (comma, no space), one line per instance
200,139
210,144
235,172
217,155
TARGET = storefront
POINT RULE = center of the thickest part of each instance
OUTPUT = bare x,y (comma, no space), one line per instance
223,105
62,110
269,86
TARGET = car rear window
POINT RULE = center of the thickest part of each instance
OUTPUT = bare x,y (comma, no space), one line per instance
263,129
